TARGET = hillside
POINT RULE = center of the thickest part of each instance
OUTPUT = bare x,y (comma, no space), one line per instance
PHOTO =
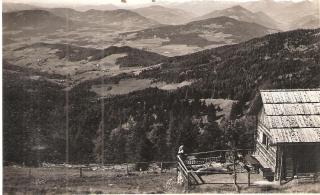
221,30
269,6
285,12
199,8
30,107
297,10
12,7
165,15
149,124
102,7
119,18
38,21
287,60
81,63
242,14
309,21
75,53
46,22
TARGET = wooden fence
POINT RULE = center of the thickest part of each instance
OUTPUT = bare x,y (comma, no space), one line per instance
187,162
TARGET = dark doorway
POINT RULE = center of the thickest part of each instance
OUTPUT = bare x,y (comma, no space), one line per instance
302,159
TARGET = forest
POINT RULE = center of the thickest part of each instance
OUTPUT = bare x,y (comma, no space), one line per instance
150,124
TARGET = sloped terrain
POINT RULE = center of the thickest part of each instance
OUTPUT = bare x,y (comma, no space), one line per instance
242,14
221,30
70,26
289,59
165,15
36,21
12,7
156,121
307,22
75,53
119,18
284,12
81,63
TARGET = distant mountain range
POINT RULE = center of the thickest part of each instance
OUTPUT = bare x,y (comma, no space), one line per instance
285,12
199,8
273,14
65,18
242,14
12,7
221,30
308,21
102,7
35,21
165,15
120,18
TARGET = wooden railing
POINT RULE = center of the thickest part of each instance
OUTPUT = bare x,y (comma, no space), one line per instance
187,162
188,173
182,166
201,161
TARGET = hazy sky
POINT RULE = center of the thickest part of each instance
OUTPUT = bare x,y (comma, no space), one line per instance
116,2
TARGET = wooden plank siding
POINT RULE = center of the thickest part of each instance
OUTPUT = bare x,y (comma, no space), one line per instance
263,129
267,156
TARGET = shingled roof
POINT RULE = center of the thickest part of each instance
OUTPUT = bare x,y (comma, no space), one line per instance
292,115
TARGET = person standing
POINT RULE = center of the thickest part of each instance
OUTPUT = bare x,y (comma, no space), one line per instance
181,152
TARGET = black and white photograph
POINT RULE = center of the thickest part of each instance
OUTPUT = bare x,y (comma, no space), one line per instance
160,96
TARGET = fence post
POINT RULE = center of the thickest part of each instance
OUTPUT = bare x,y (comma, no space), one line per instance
177,169
234,167
80,171
127,170
188,181
249,178
161,167
234,171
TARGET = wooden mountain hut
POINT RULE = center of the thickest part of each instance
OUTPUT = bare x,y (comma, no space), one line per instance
288,133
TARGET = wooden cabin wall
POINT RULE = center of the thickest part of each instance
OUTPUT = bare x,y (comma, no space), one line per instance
265,151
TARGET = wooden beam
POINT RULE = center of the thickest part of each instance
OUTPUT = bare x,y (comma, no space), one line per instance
281,164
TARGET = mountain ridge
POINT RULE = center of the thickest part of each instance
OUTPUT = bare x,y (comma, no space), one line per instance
37,20
221,30
165,15
240,13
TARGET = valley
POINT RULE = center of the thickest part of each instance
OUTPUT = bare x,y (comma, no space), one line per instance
120,83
